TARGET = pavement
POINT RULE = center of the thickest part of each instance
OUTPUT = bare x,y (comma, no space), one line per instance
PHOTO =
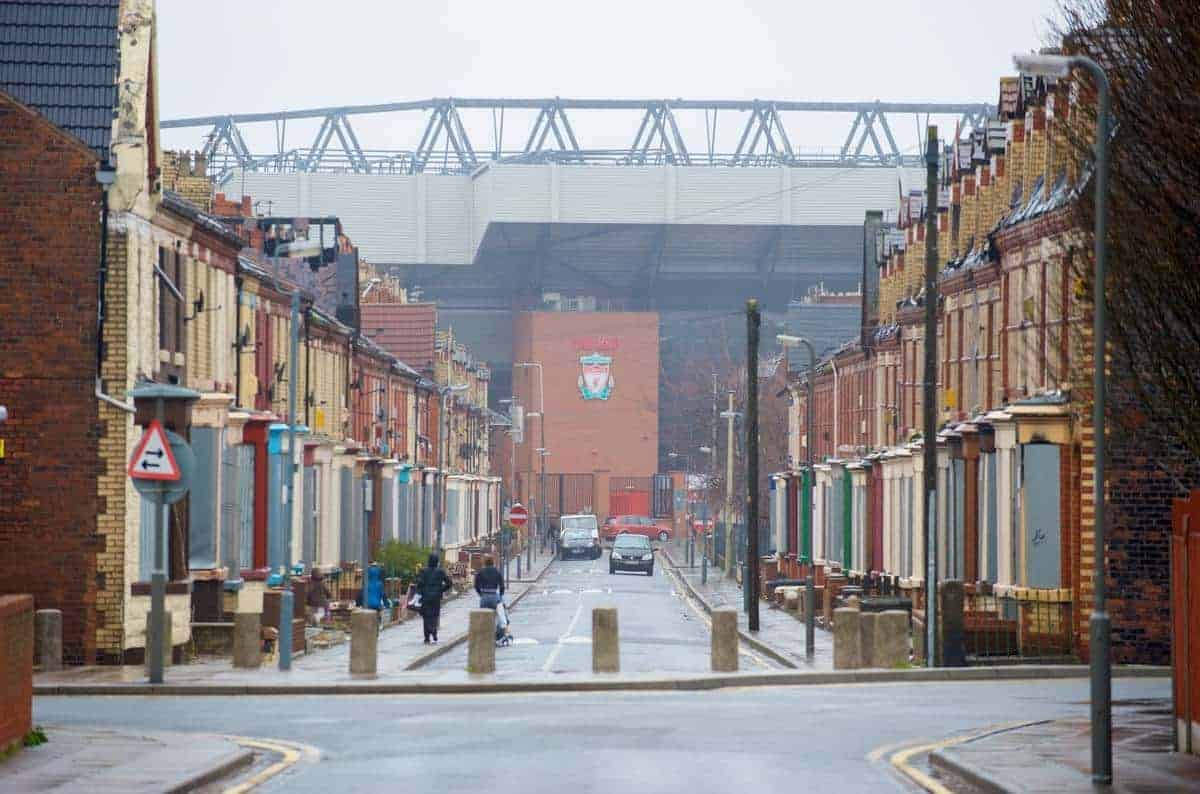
780,634
1055,756
121,759
811,738
401,649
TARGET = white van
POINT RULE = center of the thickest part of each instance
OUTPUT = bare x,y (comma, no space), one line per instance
579,536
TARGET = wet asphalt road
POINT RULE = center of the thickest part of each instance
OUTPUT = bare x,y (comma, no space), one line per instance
809,738
660,630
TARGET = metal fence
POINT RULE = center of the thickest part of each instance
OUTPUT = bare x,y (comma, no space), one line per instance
1024,626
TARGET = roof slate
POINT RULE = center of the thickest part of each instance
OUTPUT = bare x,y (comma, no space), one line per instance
60,57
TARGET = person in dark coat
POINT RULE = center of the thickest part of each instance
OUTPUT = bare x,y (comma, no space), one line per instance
318,597
432,584
489,584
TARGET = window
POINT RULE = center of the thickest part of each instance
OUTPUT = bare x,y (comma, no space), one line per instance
169,271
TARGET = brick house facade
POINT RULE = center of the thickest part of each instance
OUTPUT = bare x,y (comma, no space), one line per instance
50,235
1016,442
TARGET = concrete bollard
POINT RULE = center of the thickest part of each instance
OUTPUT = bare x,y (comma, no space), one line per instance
481,642
724,641
918,639
606,649
891,639
47,639
247,639
866,639
364,642
846,639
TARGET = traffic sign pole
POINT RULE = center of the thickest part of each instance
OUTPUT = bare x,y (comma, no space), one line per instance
158,578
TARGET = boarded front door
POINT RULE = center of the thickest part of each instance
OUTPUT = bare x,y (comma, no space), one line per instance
1043,546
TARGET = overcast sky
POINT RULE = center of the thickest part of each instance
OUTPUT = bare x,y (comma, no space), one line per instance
228,56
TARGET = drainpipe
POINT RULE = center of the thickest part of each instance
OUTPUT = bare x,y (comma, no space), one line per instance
833,363
310,392
237,335
105,176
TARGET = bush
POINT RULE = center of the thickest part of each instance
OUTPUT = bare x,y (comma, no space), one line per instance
402,560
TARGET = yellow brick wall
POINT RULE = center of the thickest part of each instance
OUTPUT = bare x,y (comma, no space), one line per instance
114,440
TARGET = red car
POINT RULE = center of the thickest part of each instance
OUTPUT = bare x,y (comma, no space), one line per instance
636,525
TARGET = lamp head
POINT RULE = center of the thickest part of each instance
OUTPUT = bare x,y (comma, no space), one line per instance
1043,65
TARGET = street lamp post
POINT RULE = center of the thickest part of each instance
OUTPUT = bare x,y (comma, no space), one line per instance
444,454
810,619
1100,623
729,415
542,429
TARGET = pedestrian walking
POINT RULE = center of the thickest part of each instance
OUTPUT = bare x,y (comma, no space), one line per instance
432,584
489,584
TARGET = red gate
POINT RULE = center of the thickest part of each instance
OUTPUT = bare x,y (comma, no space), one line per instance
629,496
1185,619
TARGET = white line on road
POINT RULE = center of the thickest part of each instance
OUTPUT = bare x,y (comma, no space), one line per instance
558,646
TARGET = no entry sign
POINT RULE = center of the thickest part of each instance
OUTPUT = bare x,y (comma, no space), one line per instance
518,516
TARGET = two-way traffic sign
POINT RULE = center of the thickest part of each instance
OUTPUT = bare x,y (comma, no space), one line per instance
152,458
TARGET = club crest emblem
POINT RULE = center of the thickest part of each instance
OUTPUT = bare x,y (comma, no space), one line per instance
596,381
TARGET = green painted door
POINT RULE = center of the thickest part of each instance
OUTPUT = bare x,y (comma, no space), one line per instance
805,551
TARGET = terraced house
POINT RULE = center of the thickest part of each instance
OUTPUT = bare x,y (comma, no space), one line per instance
1015,448
114,284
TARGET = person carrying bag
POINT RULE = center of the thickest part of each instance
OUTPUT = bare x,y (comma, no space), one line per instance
432,584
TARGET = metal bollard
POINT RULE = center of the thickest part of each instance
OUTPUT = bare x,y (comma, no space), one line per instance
704,569
518,566
286,610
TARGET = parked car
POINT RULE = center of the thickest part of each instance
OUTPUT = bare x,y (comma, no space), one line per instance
579,536
637,525
631,553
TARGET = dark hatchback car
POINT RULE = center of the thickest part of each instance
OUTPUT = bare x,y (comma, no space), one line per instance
631,553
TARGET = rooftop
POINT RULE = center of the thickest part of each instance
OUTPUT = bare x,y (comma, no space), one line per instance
61,57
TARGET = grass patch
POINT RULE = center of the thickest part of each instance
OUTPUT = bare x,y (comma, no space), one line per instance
34,738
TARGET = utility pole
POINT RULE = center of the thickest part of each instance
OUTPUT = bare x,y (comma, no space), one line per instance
293,377
753,320
929,398
729,415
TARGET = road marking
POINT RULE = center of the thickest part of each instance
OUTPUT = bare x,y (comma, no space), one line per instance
704,616
594,591
562,592
899,760
524,641
291,753
558,646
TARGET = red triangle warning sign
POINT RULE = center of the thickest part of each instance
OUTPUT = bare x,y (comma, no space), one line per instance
153,459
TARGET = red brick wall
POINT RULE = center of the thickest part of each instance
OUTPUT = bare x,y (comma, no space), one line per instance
619,434
16,669
50,238
1146,472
